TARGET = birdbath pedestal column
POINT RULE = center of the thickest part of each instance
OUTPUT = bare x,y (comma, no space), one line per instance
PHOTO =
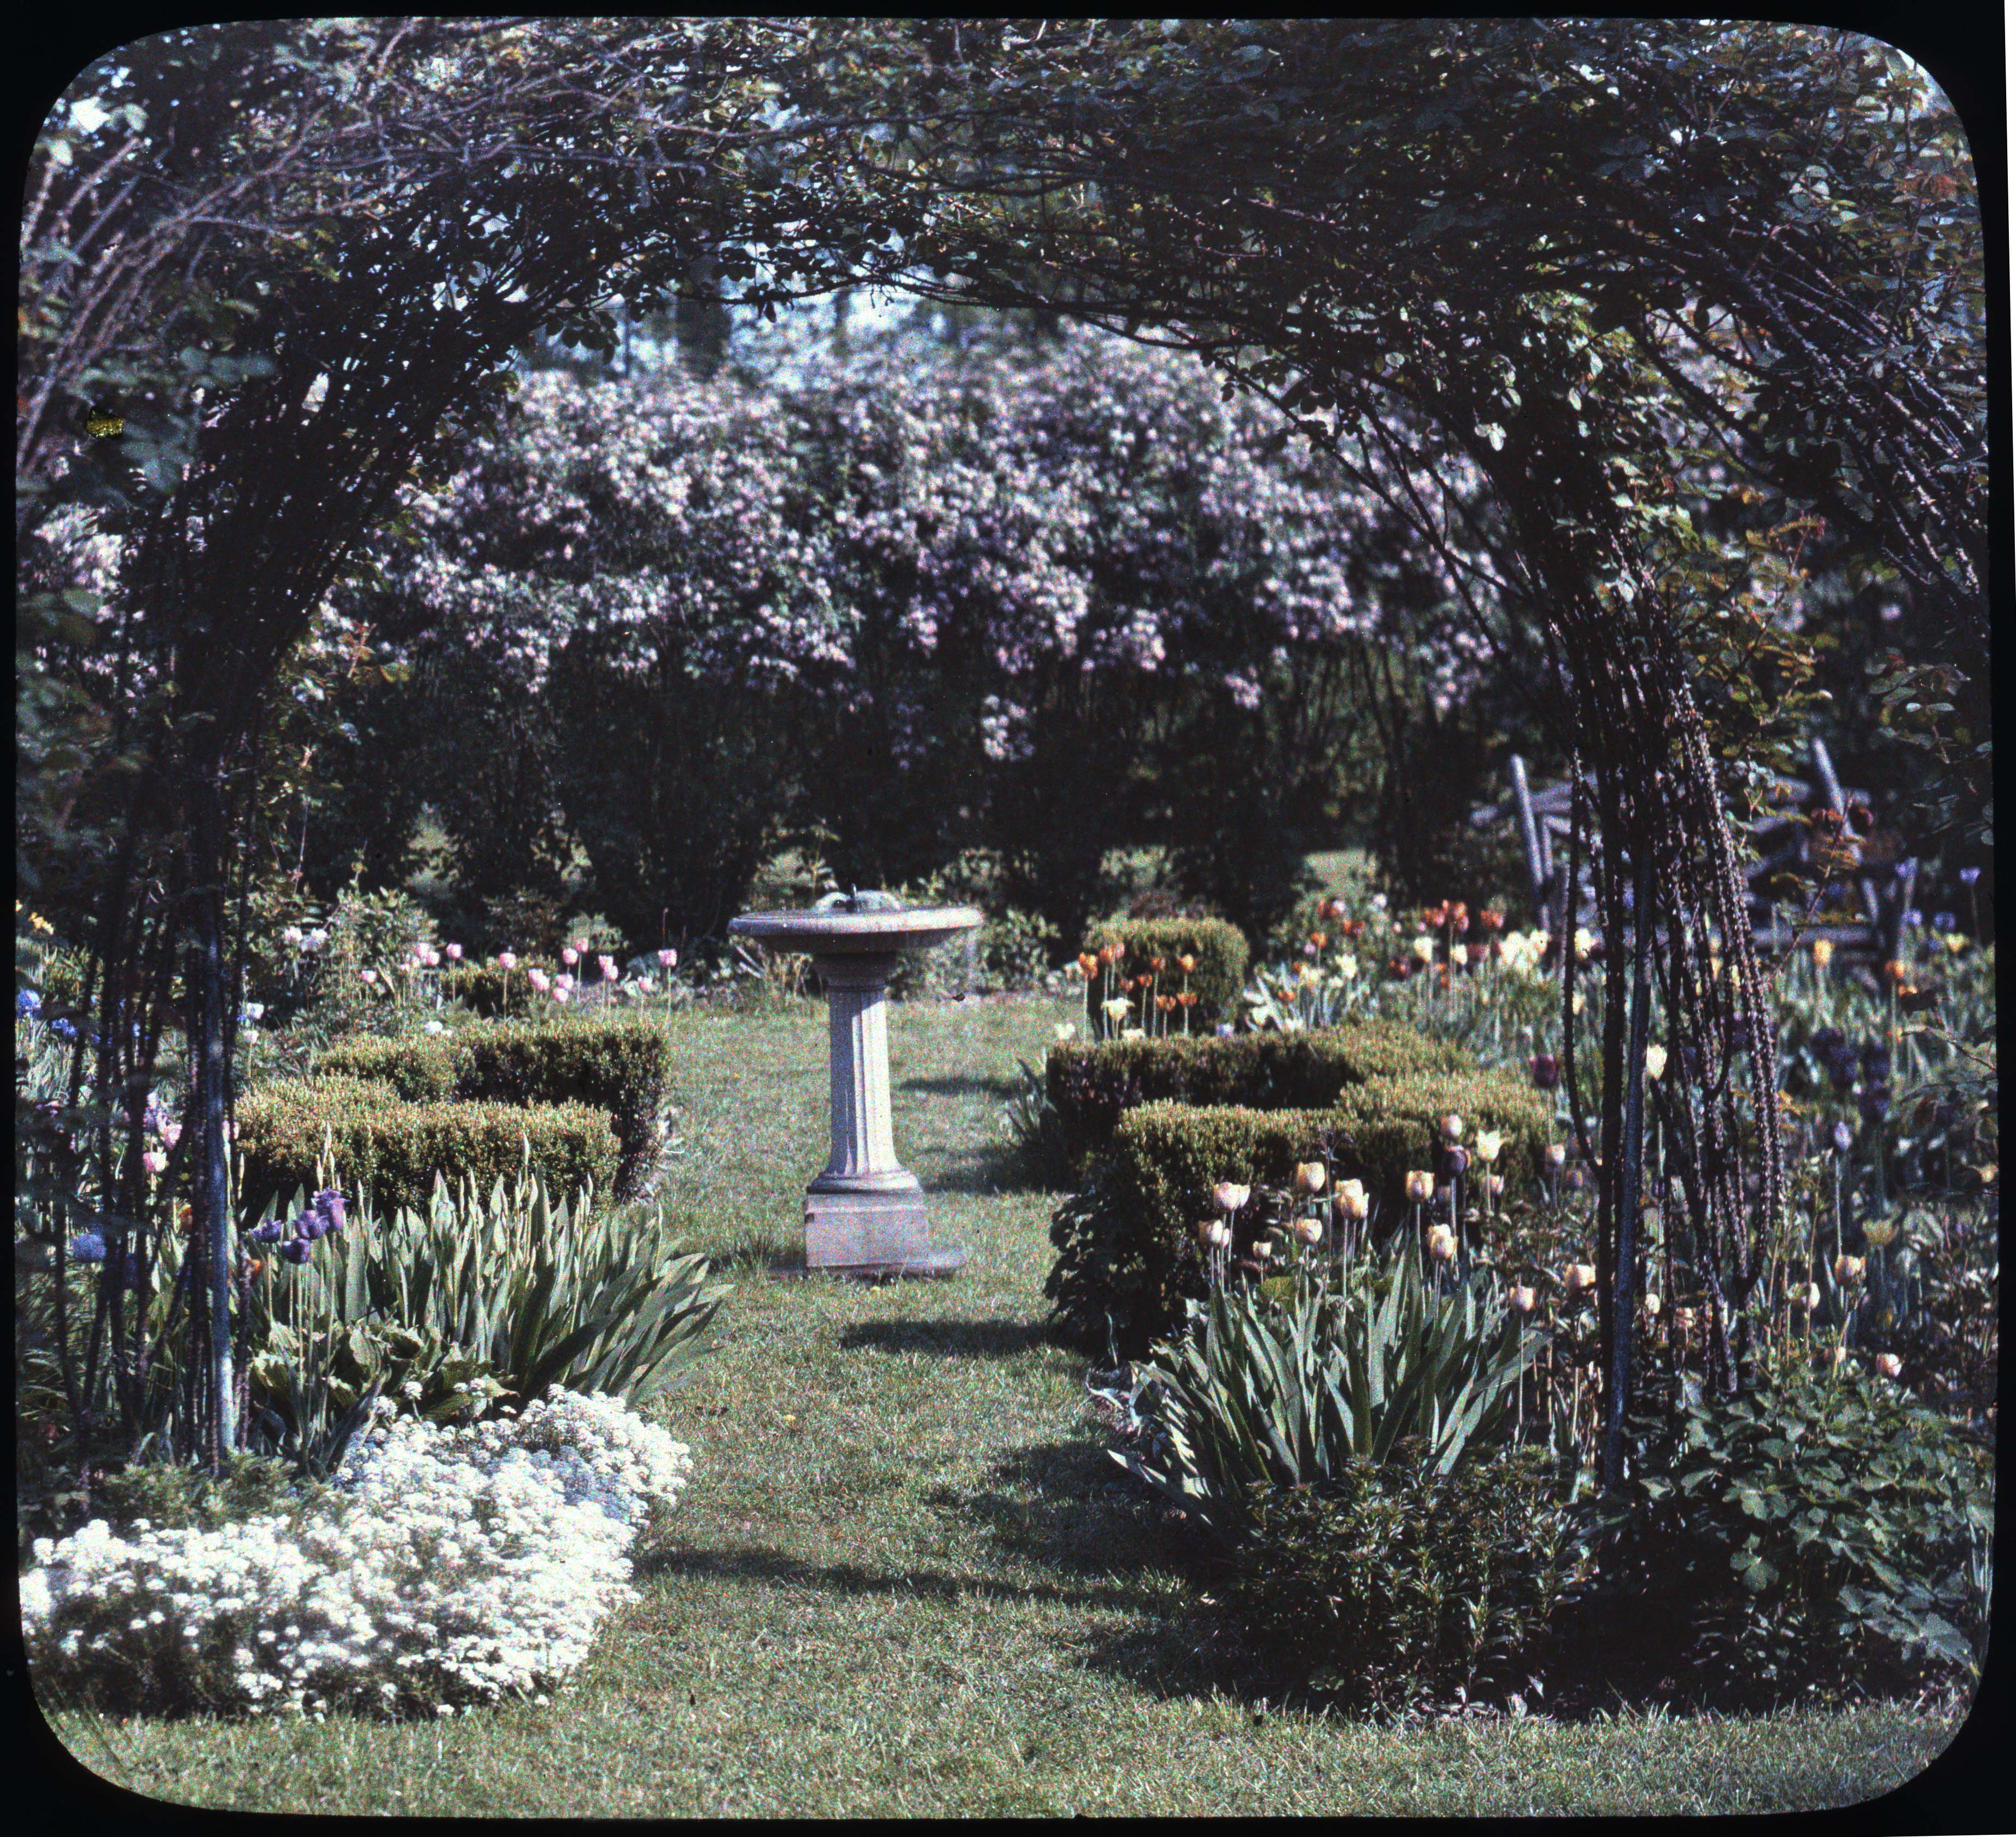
864,1210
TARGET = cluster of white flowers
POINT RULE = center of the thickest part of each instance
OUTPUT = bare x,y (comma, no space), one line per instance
1522,951
451,1566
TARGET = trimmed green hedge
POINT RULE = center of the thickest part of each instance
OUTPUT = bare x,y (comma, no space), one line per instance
619,1065
394,1148
1089,1086
1125,1247
1218,981
485,989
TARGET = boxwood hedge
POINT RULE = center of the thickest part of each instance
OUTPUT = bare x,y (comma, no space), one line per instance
619,1065
382,1144
1090,1086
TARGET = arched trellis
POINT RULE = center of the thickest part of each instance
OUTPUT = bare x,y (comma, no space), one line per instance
1533,242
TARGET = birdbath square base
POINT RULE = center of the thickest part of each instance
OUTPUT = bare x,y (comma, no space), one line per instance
873,1234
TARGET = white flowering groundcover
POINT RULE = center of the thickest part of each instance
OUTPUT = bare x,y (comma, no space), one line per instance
453,1567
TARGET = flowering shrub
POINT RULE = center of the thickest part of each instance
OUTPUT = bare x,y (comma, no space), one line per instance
446,1567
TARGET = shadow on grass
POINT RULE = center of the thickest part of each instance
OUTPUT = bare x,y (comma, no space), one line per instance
995,1167
964,1084
947,1339
1054,1508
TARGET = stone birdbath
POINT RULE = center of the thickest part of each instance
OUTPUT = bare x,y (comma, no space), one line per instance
864,1211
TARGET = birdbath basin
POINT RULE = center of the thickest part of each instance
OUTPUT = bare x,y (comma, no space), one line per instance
864,1210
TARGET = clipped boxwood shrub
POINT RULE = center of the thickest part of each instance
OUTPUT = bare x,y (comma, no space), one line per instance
1090,1086
619,1065
395,1149
1386,1586
1124,1244
491,991
1217,981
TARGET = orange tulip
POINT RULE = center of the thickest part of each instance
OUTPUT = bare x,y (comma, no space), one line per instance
1186,964
1187,999
1087,965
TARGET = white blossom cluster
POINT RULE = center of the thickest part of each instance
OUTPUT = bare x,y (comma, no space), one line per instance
451,1566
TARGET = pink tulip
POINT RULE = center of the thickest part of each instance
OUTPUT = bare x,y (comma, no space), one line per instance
667,959
538,979
454,953
570,956
560,994
154,1160
367,975
580,947
563,981
172,1133
608,968
507,959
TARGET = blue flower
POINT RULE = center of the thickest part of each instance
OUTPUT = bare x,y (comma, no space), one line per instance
1944,921
1913,918
297,1250
329,1202
1969,875
1844,1138
87,1247
62,1029
270,1231
28,1002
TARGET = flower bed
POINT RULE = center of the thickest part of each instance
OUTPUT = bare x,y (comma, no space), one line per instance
451,1567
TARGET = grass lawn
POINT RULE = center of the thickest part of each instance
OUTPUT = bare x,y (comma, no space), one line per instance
906,1579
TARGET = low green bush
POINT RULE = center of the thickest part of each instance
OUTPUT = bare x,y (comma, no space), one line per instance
465,1300
618,1065
1823,1532
1217,981
1090,1086
1254,1390
376,1142
1384,1586
491,992
1124,1249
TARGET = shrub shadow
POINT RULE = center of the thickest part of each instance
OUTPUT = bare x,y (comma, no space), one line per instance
948,1339
964,1084
995,1167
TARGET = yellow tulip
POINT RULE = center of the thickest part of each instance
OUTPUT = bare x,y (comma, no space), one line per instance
1879,1232
1488,1141
1310,1176
1577,1278
1889,1364
1848,1269
1452,1127
1822,953
1420,1187
1441,1244
1309,1230
1228,1196
1655,1061
1425,949
1523,1299
1351,1203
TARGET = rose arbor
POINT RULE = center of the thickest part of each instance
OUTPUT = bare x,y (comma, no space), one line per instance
864,1211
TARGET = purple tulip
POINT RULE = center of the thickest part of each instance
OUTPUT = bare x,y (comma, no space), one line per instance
329,1202
269,1231
297,1250
1969,875
1844,1138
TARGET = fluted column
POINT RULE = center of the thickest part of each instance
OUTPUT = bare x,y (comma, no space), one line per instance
863,1159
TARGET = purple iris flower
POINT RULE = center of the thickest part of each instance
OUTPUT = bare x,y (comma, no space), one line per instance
1944,921
1969,875
270,1231
297,1250
329,1202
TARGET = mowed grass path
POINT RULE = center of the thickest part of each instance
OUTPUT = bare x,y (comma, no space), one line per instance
906,1579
